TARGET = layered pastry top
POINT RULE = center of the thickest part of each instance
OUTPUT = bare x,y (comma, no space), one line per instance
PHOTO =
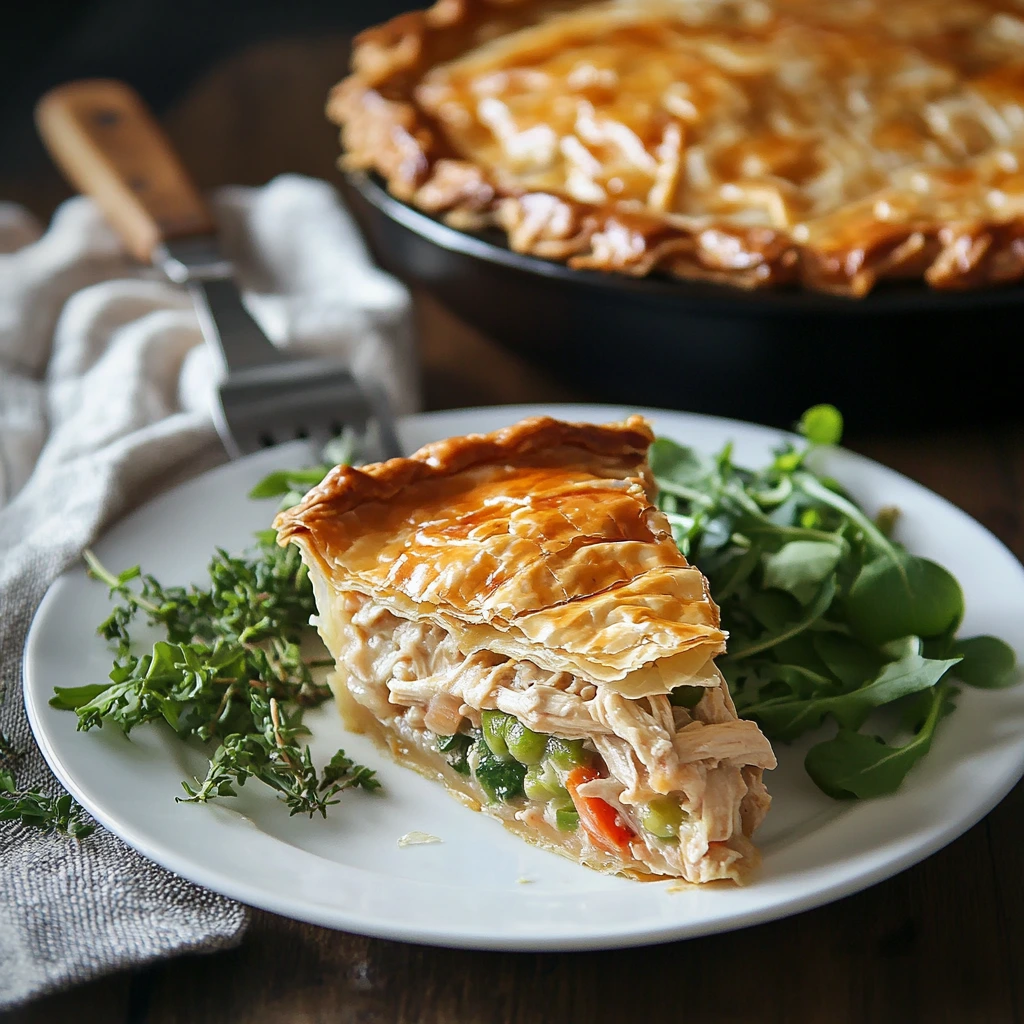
830,142
540,540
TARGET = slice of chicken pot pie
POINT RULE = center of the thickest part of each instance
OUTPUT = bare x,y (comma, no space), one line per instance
509,613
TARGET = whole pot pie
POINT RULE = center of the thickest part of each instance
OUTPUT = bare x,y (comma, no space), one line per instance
831,143
510,615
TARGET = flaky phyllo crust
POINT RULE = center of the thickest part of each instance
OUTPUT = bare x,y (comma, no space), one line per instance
527,572
752,142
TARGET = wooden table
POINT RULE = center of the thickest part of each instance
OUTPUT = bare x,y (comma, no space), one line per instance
941,942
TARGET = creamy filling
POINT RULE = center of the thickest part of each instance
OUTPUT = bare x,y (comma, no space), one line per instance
414,680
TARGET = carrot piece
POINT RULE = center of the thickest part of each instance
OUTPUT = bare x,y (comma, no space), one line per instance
597,816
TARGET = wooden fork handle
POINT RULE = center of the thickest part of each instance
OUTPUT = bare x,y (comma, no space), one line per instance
106,141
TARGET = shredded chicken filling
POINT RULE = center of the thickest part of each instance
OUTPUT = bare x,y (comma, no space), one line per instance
413,678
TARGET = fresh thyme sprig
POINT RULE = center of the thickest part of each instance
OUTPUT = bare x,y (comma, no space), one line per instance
33,807
49,813
272,755
231,671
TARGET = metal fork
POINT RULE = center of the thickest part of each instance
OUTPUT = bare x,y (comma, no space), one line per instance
110,147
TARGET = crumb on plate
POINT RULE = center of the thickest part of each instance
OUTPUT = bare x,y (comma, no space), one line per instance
417,839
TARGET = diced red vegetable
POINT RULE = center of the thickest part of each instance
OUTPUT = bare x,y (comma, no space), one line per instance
597,816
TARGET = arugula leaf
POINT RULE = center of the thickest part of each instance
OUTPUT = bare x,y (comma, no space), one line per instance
71,698
286,480
821,425
788,718
853,663
854,765
293,483
681,471
801,566
814,611
801,650
819,490
340,450
772,609
911,597
986,662
736,572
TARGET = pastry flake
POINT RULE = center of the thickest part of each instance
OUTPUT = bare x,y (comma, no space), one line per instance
752,142
509,613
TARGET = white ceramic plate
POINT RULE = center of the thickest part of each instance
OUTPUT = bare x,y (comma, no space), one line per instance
481,887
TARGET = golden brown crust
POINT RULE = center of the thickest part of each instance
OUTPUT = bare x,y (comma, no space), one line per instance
961,228
347,486
539,541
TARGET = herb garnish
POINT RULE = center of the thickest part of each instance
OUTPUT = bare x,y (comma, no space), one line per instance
34,808
828,618
230,670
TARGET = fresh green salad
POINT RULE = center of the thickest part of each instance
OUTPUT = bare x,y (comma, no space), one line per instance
831,623
829,618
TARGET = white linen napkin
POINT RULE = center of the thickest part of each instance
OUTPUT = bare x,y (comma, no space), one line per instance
105,387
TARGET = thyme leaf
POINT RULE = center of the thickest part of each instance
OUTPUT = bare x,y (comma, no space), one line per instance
230,671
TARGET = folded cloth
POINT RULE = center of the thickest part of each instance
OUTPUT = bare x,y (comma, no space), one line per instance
105,388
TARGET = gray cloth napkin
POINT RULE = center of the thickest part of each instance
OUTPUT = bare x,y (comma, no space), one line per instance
104,400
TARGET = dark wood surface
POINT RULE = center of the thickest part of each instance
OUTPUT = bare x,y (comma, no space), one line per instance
941,942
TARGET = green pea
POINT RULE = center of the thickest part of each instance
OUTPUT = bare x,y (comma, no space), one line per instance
525,745
662,817
494,726
540,782
686,696
567,821
565,753
562,801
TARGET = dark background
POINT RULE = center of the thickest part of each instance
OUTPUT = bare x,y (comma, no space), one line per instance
170,51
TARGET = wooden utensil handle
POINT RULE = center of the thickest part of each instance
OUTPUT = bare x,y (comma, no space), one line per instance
104,138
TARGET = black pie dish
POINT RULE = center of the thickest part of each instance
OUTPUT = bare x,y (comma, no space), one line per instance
905,355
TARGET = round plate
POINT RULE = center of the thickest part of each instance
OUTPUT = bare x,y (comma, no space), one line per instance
481,887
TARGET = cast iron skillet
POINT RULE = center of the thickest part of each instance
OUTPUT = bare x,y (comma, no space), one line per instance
902,355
